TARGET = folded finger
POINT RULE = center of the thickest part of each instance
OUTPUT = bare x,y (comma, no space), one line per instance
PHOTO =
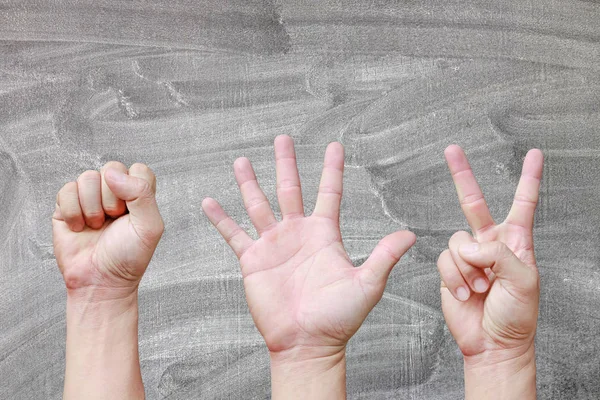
476,278
70,210
89,186
452,278
112,205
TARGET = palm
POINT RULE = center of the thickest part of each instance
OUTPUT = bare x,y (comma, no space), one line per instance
495,319
313,296
301,286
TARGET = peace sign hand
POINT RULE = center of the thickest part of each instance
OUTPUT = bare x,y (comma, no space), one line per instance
490,283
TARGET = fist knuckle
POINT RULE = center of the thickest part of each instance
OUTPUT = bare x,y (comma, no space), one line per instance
94,214
73,279
442,256
142,169
111,205
68,187
114,165
139,167
458,236
70,215
88,175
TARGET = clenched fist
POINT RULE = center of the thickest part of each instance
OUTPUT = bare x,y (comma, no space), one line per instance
106,227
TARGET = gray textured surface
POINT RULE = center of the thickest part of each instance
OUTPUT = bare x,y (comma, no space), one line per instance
189,85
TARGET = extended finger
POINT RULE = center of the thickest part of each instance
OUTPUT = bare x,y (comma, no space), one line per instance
255,201
236,237
89,186
526,196
112,205
469,193
289,191
384,257
330,187
70,210
451,277
476,278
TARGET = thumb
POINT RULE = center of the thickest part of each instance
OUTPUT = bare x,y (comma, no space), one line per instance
137,189
375,271
503,263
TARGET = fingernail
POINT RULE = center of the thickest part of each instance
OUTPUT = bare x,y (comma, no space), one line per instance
480,285
462,293
469,248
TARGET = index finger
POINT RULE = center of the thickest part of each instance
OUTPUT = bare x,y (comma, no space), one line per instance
470,196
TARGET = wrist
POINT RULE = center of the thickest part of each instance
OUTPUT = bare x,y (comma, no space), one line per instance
501,374
102,359
315,373
100,307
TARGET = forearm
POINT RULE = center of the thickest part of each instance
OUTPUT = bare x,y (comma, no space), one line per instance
490,379
296,375
102,360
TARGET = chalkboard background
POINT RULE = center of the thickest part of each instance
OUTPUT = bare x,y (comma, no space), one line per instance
187,86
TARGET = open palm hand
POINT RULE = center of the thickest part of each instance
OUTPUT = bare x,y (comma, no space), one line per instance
301,286
490,291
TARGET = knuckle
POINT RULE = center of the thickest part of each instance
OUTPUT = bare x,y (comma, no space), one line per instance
443,255
145,173
160,227
472,200
114,165
70,216
73,279
387,251
68,187
89,175
255,202
327,189
114,207
94,215
139,167
458,237
288,184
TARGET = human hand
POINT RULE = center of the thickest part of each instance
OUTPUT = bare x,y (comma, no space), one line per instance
106,227
490,283
304,294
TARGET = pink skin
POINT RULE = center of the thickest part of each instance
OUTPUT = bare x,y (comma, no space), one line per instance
499,317
105,227
302,289
95,251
